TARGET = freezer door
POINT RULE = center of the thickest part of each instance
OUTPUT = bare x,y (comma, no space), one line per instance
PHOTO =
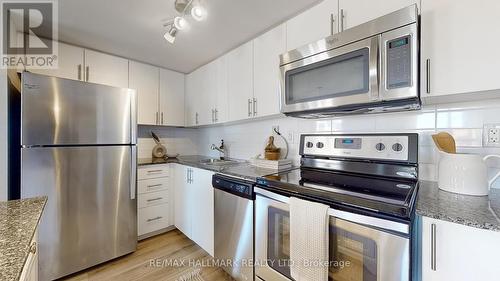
90,216
58,111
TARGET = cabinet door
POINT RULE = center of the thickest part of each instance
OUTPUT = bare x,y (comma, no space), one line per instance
356,12
144,78
458,42
312,25
461,252
182,200
208,95
106,69
203,210
171,98
221,99
192,88
267,49
240,82
69,63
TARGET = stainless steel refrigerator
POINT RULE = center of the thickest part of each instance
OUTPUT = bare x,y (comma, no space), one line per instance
78,147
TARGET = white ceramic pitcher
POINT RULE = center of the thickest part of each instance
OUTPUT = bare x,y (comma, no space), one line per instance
465,173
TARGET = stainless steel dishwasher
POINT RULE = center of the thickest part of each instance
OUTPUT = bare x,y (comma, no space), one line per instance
234,225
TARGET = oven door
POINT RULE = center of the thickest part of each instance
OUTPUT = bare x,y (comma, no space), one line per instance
347,75
359,247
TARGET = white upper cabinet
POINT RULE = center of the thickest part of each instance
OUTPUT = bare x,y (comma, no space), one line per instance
314,24
192,87
267,49
221,98
171,98
144,79
240,82
70,63
356,12
459,42
106,69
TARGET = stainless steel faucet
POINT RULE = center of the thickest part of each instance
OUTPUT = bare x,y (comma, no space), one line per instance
221,149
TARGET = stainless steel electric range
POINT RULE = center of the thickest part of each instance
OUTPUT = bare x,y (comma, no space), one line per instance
370,183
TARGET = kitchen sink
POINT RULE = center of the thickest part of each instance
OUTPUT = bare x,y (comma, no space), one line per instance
213,161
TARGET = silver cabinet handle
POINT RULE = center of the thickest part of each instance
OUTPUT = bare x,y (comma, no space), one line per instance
196,118
162,119
254,106
213,116
33,248
87,73
187,176
433,247
154,219
249,107
342,16
332,24
216,113
155,185
157,118
154,171
428,76
79,72
154,199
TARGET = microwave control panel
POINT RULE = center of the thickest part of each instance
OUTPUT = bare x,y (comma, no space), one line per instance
399,62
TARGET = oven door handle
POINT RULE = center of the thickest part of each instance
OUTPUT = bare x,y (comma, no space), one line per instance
385,224
388,225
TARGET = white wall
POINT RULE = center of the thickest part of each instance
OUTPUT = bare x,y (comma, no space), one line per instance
463,120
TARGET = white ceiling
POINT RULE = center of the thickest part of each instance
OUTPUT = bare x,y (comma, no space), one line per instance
133,28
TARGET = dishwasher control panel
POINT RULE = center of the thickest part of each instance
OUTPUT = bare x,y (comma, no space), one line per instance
236,186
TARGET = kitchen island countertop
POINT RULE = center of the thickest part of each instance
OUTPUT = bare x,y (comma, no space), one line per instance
18,223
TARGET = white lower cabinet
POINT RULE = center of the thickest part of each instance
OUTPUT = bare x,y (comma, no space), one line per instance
452,251
194,205
153,199
30,269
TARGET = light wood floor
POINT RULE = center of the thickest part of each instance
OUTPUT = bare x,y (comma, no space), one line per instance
172,245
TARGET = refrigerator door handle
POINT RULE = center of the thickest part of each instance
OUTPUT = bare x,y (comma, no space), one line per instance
133,172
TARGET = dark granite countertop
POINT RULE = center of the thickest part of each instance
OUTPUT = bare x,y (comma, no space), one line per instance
18,223
239,168
476,211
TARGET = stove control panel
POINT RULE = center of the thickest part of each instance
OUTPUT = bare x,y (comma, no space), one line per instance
390,147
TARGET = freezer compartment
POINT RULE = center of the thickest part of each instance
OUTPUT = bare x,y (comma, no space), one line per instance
58,111
91,213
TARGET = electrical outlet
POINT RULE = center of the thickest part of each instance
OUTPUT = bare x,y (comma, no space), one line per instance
491,135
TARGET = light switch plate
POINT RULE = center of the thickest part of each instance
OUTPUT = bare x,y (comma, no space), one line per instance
491,135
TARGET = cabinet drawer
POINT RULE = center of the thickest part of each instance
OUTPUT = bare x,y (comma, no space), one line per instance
152,199
152,218
152,172
152,185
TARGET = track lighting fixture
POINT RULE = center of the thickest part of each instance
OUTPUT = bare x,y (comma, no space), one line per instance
185,8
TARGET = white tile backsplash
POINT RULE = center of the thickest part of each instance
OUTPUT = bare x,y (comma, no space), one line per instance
247,139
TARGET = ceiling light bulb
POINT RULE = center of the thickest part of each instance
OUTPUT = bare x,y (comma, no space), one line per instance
198,13
180,23
170,35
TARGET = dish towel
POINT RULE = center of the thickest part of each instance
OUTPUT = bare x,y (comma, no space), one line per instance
308,240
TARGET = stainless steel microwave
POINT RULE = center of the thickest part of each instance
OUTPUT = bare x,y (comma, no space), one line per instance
369,68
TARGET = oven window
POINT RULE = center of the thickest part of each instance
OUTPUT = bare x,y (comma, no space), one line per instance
353,257
278,240
339,76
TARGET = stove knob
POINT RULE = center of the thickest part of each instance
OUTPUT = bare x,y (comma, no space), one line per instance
397,147
380,146
320,145
309,144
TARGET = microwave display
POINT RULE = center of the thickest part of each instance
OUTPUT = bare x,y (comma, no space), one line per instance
399,63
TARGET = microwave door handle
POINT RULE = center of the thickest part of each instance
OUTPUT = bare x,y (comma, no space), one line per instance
375,68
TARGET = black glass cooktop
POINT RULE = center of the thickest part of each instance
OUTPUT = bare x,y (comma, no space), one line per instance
392,197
